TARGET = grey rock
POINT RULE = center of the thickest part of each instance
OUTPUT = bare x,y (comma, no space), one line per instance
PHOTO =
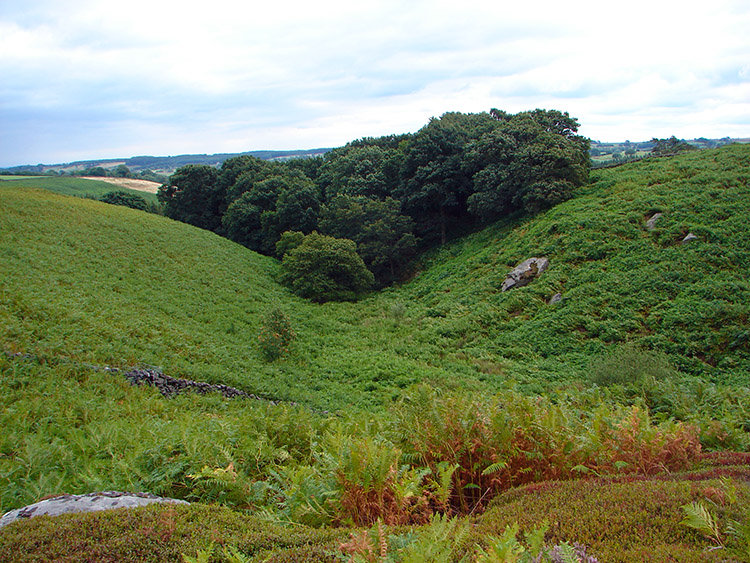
525,272
688,238
92,502
651,223
556,298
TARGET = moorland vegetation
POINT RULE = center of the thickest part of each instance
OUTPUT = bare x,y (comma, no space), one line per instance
437,419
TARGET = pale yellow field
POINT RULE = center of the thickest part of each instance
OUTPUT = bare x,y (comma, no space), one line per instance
133,184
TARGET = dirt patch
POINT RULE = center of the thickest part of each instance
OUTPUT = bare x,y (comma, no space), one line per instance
130,183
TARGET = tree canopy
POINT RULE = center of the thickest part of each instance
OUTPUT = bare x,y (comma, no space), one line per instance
390,196
324,268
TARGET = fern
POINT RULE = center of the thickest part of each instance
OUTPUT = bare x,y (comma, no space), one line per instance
699,518
568,553
202,556
494,468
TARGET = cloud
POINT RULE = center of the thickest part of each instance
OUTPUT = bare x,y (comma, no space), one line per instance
87,79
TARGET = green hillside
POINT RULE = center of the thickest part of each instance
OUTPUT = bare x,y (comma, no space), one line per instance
82,187
619,281
441,394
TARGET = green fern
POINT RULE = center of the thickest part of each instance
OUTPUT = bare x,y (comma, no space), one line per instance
202,556
699,518
568,553
494,468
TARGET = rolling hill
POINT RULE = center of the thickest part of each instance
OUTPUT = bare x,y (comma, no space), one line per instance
87,289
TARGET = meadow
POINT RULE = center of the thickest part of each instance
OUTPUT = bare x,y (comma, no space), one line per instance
69,186
439,412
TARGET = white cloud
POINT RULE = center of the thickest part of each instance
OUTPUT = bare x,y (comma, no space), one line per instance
86,79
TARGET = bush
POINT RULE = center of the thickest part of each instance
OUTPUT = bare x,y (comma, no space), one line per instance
124,198
630,365
276,335
324,268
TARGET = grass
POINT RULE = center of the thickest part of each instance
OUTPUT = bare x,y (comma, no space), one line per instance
85,285
70,186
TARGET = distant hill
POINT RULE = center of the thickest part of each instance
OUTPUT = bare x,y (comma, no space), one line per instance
165,165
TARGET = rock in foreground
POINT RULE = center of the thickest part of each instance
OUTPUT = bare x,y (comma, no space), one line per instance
91,502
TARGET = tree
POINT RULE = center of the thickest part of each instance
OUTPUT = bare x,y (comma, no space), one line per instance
324,268
192,195
269,206
384,236
366,170
241,222
122,171
436,183
668,147
531,161
239,173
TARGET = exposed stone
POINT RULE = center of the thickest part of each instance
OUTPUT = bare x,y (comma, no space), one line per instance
169,386
688,238
525,272
92,502
556,298
651,223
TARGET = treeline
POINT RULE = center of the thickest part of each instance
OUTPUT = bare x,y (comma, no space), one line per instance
389,195
120,171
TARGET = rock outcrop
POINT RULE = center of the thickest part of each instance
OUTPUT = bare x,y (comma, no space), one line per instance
651,223
92,502
525,272
688,237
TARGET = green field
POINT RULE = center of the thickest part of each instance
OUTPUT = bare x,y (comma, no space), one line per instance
81,187
432,397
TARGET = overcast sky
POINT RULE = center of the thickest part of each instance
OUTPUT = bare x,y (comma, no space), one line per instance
104,79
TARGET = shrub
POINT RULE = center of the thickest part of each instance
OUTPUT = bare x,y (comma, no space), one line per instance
276,335
119,197
324,268
630,365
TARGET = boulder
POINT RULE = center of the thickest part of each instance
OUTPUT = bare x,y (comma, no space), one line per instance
92,502
556,298
525,272
651,223
688,238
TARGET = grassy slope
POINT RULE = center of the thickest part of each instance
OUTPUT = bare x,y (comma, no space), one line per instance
191,302
111,286
83,282
619,281
70,186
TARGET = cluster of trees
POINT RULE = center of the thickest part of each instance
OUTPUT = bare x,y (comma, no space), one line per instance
386,196
670,146
119,171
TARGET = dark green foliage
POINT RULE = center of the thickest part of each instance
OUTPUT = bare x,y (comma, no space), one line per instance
325,268
193,195
232,169
269,203
242,222
131,200
276,335
531,161
122,171
670,146
361,170
289,241
436,180
382,233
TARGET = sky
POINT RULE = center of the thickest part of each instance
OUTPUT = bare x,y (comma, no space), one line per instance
82,80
